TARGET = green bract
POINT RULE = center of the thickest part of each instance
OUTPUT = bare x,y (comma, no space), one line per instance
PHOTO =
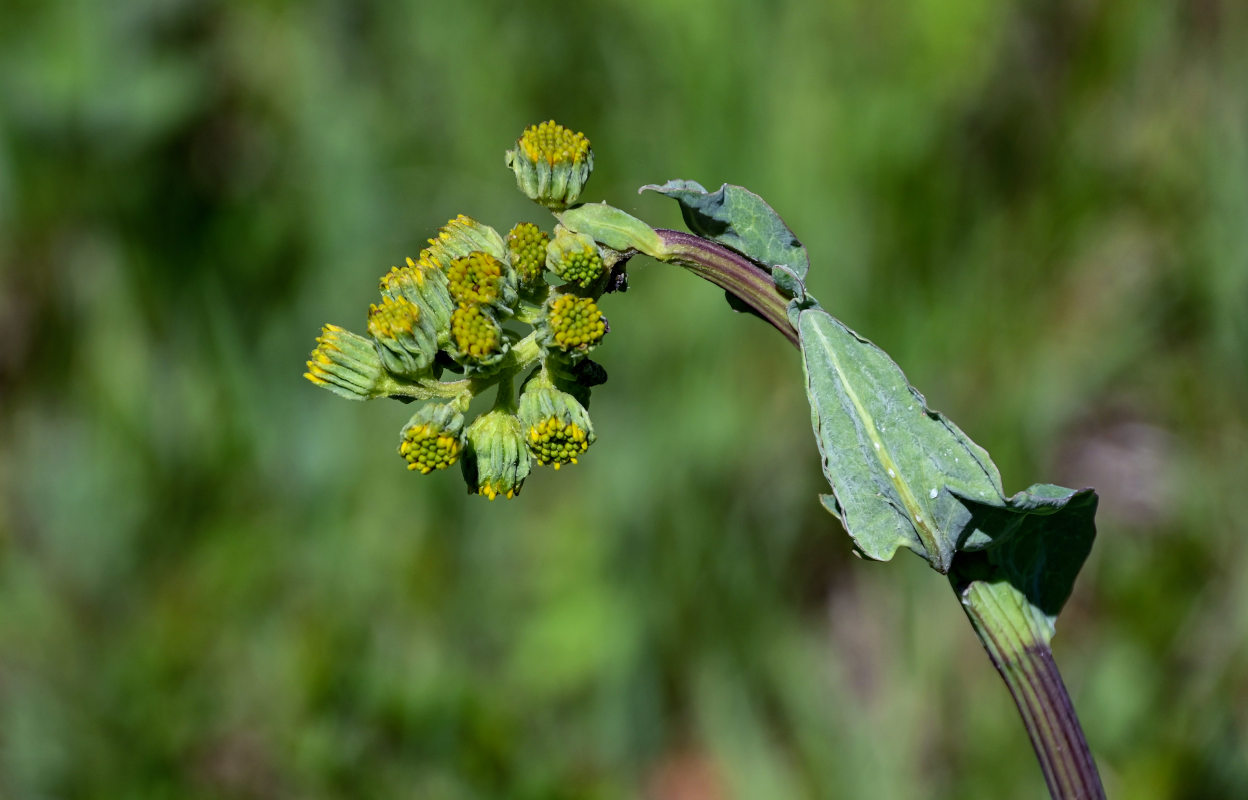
497,460
347,365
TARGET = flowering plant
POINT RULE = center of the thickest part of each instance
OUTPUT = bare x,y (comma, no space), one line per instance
901,474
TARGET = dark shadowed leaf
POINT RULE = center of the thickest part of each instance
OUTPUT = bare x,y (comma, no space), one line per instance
1037,542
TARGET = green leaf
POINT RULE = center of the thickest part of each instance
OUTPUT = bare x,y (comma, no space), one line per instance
612,227
900,473
1036,542
738,218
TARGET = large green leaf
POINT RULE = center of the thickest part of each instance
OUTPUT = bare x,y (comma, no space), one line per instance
738,218
898,470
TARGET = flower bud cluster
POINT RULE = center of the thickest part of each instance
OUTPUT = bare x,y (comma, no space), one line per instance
460,306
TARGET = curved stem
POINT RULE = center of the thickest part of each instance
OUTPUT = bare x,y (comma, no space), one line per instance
523,355
1017,642
733,272
1016,639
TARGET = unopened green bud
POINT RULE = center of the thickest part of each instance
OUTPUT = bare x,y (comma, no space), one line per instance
424,286
404,340
433,438
557,427
347,364
551,164
527,245
497,460
458,238
575,258
480,278
476,337
573,324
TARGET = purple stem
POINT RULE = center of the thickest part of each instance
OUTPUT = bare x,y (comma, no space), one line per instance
733,272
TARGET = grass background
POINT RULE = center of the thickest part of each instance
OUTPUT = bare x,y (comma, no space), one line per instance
217,581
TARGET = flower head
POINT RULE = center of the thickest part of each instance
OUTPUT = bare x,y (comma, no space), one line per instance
423,285
458,238
573,324
497,461
527,246
551,164
557,427
476,337
476,278
575,258
433,438
459,307
405,342
347,364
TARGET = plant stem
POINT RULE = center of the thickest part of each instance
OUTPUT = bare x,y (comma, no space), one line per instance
1015,634
733,272
1017,641
523,355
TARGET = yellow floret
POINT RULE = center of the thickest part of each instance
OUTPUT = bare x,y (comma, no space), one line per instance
426,448
581,267
394,316
527,244
575,322
475,278
553,143
555,442
476,335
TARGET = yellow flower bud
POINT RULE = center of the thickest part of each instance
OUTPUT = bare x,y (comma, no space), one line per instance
347,364
497,460
424,286
551,164
477,339
433,438
476,278
527,245
458,238
557,427
573,324
575,258
404,339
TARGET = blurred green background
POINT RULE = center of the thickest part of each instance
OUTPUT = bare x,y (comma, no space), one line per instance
219,581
